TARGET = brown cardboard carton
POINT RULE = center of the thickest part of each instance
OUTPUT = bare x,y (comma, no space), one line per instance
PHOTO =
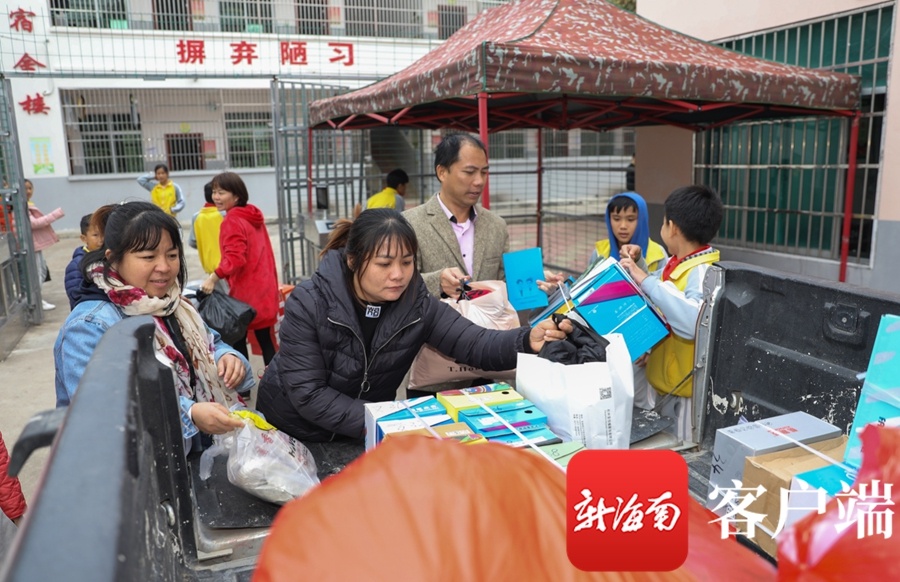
774,471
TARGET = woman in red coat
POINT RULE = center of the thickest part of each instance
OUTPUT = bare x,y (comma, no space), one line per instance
248,263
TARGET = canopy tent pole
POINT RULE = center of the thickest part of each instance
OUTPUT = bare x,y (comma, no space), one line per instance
483,133
540,185
309,172
848,196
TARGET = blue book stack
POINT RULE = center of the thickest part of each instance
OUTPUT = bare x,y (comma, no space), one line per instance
607,299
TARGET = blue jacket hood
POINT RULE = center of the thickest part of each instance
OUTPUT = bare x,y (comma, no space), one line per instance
641,236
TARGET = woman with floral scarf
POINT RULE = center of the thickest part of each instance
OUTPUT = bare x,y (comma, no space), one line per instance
140,270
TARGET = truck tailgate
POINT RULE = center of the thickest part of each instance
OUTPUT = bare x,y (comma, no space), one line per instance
769,343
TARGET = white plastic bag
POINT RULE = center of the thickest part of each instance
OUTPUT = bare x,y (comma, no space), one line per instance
589,403
263,461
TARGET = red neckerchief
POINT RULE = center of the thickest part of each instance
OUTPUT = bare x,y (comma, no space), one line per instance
675,261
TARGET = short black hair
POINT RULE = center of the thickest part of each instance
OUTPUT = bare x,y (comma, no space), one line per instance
207,193
447,152
231,182
396,178
696,211
86,223
158,167
618,203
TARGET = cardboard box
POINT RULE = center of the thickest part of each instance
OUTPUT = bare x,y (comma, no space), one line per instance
734,444
397,416
386,427
457,431
489,394
879,400
562,453
522,415
776,471
804,488
539,436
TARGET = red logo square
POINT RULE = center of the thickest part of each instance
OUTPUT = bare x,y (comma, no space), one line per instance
627,511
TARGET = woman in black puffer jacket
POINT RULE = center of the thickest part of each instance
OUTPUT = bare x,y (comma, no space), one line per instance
351,332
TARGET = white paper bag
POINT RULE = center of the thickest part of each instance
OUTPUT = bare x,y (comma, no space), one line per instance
588,403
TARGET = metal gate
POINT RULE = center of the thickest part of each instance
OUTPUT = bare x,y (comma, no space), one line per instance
20,301
315,185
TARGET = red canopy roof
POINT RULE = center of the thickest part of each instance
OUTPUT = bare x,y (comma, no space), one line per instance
583,63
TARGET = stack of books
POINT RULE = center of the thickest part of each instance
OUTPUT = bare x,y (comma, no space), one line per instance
607,299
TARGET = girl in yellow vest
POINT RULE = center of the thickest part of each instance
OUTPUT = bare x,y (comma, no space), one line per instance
163,192
692,218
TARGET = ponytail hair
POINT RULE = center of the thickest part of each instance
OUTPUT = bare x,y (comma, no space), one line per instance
338,237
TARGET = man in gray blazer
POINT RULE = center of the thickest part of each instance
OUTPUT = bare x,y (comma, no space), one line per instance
458,242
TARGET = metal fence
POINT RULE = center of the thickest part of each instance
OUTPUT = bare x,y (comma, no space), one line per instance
579,174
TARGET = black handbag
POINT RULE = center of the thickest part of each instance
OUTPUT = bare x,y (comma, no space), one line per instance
225,314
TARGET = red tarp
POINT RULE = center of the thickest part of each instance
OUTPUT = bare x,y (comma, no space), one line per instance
583,64
418,508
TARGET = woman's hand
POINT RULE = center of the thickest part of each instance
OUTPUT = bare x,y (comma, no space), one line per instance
213,418
231,370
210,284
547,331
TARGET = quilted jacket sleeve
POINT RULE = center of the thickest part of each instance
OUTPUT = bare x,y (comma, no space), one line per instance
12,501
302,371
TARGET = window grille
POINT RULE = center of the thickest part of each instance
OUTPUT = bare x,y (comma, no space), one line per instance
782,182
172,15
110,144
556,144
250,142
619,142
312,17
507,144
450,19
357,18
246,16
89,13
116,131
392,19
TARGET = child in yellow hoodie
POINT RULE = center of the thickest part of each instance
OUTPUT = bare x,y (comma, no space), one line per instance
205,227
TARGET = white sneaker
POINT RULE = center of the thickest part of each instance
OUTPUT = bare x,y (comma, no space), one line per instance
47,306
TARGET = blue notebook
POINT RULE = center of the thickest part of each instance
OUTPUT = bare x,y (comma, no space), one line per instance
523,270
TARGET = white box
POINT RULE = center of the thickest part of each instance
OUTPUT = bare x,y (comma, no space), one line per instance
735,443
395,416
